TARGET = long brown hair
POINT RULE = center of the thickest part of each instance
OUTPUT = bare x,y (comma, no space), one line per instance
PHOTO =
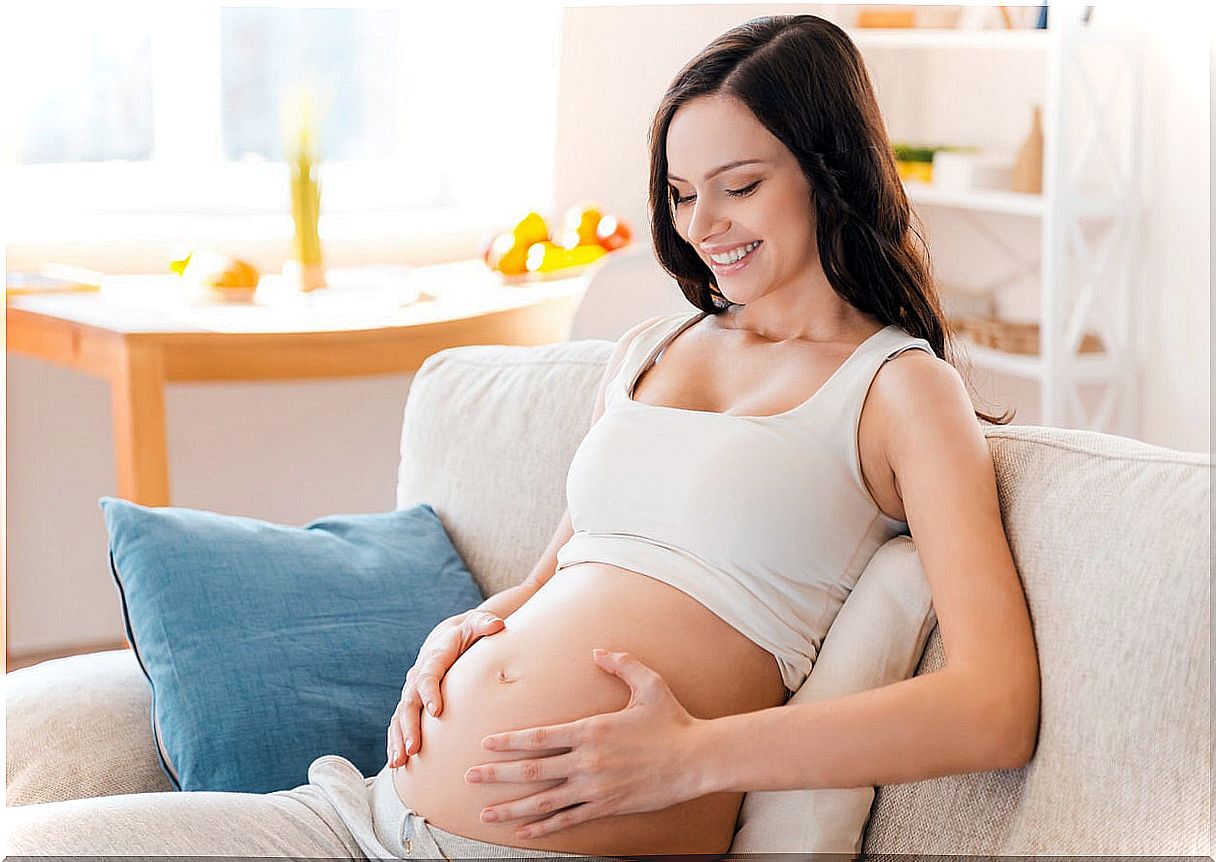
805,81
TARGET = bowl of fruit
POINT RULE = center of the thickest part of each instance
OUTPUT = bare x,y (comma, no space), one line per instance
531,251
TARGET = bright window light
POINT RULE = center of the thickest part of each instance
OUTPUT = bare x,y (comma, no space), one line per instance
168,108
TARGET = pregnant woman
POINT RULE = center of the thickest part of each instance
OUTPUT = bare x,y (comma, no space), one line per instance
746,459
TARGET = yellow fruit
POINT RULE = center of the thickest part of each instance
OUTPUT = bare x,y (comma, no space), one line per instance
549,257
585,254
178,265
531,228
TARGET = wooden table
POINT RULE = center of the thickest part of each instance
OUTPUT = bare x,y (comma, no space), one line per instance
139,340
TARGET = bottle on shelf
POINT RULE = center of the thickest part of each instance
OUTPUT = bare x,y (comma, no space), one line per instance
1028,168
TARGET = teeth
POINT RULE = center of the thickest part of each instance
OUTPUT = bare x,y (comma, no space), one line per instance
733,256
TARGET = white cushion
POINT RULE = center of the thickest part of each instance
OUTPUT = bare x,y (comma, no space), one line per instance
877,638
80,727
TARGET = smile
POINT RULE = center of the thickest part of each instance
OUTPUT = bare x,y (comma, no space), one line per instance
736,263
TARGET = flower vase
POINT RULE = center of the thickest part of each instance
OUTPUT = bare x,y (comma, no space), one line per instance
304,270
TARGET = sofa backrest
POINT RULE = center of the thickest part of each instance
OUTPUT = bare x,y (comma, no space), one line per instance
487,437
1111,538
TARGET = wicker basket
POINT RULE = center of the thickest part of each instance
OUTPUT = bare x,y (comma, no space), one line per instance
1011,336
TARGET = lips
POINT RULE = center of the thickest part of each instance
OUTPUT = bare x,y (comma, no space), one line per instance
741,263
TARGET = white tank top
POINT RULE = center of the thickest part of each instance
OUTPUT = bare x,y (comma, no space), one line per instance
764,520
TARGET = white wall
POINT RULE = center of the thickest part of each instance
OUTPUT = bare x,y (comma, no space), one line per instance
284,452
289,452
1176,247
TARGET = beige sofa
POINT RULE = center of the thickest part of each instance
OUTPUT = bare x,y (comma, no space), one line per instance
1112,541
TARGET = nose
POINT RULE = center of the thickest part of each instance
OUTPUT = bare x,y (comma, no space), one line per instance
706,221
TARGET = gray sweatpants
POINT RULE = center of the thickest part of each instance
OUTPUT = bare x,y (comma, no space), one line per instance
338,814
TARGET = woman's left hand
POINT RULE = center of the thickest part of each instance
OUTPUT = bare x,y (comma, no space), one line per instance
643,757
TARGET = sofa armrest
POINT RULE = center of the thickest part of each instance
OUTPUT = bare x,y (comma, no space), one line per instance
80,727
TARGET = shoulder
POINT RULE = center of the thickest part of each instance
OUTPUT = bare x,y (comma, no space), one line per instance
922,403
631,335
642,325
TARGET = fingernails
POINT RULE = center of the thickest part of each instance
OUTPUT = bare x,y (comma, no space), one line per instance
396,755
430,707
489,816
409,745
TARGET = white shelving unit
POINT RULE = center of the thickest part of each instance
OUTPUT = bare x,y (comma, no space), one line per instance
1080,289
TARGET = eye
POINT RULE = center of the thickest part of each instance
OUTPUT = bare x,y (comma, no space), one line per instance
737,193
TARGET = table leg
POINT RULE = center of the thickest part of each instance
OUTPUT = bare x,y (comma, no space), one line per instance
137,397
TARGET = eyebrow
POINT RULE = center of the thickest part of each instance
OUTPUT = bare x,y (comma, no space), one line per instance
720,168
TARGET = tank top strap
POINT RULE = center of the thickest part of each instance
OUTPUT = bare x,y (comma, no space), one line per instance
859,370
645,348
839,415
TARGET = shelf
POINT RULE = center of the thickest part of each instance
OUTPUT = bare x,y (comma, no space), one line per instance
1087,367
918,38
995,201
1015,203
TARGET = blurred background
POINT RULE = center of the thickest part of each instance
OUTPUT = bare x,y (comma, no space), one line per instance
133,131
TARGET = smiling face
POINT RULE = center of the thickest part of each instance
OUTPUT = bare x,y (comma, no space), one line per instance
766,202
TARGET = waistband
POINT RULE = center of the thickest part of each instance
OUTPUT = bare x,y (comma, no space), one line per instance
408,835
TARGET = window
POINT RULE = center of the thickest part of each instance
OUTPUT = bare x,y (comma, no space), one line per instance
162,109
346,59
90,99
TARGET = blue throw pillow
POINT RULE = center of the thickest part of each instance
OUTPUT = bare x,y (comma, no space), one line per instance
268,646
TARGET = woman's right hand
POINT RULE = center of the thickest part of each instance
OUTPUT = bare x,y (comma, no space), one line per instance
446,643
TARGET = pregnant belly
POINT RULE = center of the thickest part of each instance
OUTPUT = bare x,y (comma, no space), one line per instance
538,670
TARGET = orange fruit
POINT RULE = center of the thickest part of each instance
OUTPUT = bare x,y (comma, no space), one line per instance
583,218
211,269
514,261
613,233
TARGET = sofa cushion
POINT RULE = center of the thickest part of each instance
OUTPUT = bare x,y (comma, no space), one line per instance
267,646
877,639
1112,541
78,727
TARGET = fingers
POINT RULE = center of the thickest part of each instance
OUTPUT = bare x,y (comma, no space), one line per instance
447,651
408,724
536,738
422,682
396,745
545,802
490,623
561,820
556,766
